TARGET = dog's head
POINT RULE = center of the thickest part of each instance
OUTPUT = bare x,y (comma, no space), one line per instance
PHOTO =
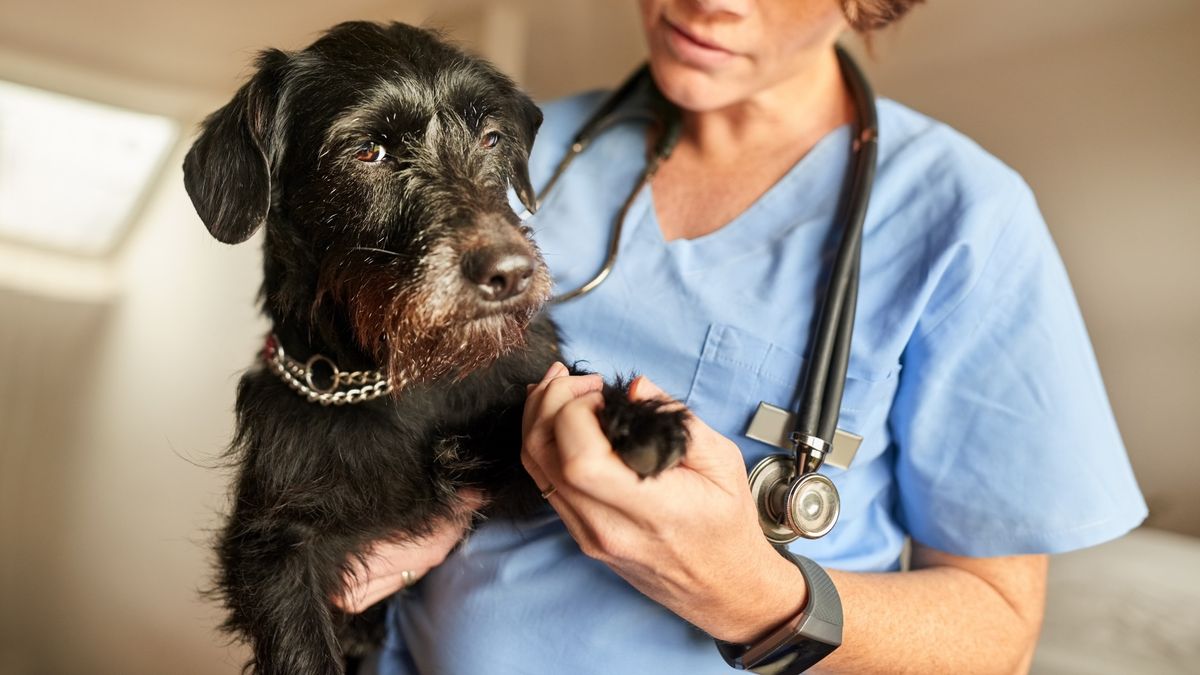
379,160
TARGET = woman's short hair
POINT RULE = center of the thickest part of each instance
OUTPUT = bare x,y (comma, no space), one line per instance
868,15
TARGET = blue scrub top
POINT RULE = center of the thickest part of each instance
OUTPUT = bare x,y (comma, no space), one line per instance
986,426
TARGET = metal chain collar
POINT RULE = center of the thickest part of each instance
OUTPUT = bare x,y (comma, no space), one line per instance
299,376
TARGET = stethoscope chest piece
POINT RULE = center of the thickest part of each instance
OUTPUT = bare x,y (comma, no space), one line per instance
791,507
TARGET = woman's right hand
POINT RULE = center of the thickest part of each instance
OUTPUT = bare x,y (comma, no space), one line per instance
387,561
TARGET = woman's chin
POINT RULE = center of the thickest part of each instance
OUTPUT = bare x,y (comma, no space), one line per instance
695,90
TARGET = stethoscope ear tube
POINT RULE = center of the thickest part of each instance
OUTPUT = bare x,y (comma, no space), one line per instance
667,116
591,128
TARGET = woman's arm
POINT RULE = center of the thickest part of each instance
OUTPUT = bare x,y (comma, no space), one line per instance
950,614
689,539
389,565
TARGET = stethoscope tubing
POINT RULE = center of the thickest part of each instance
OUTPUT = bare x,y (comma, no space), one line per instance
825,377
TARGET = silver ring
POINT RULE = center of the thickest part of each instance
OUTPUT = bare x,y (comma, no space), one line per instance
407,578
334,379
548,491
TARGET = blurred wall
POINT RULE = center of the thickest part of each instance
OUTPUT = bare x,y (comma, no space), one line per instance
115,401
124,493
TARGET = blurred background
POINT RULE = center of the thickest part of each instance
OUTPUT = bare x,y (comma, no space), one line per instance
123,326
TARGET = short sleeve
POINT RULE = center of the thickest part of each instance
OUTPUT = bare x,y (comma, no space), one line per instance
1005,440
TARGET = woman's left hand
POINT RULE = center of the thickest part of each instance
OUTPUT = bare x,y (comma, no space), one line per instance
688,539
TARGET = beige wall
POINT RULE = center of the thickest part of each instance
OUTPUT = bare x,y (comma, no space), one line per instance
115,491
109,411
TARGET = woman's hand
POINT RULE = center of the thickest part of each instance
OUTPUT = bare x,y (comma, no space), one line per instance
387,562
688,538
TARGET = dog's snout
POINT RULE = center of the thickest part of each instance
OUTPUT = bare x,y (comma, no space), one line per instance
499,273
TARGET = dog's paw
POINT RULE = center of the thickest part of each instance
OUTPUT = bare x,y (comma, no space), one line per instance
649,435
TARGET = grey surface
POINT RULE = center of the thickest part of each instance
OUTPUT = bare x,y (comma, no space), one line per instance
1128,606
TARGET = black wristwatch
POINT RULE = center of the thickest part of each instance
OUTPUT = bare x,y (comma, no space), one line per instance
800,643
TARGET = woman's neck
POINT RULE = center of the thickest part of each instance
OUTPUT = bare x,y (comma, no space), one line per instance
794,113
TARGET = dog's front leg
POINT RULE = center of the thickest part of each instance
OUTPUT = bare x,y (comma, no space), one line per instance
276,578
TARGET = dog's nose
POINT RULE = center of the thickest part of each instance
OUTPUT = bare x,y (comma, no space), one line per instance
499,274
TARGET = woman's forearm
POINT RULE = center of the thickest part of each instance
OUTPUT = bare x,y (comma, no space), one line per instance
954,615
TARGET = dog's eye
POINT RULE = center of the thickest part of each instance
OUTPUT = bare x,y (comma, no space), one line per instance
371,152
489,140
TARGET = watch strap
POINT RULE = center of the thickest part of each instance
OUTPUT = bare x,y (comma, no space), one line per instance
803,641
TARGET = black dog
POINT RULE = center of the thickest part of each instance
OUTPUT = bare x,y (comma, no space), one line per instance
405,297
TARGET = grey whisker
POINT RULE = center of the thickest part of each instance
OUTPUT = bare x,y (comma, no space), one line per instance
375,250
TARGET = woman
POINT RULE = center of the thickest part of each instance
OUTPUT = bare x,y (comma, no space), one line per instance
987,435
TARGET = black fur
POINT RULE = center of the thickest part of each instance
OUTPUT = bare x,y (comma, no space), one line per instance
368,263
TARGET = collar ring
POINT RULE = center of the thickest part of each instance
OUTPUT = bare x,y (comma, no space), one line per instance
334,377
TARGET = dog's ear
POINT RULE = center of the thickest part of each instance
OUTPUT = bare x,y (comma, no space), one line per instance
226,171
528,120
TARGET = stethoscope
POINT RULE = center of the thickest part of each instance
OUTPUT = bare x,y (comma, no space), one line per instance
793,499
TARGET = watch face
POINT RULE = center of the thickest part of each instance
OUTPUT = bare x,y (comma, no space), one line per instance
799,657
796,655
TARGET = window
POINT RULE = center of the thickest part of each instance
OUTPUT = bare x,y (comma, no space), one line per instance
73,172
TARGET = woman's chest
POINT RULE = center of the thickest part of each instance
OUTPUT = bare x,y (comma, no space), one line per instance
693,198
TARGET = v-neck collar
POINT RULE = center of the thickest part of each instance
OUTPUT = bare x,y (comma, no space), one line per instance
802,194
808,191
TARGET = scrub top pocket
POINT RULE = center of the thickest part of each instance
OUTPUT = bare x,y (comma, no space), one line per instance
737,370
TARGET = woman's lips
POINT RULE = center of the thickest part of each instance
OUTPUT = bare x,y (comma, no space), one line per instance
693,50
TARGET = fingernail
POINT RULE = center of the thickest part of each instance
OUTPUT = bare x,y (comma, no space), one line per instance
553,371
643,387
